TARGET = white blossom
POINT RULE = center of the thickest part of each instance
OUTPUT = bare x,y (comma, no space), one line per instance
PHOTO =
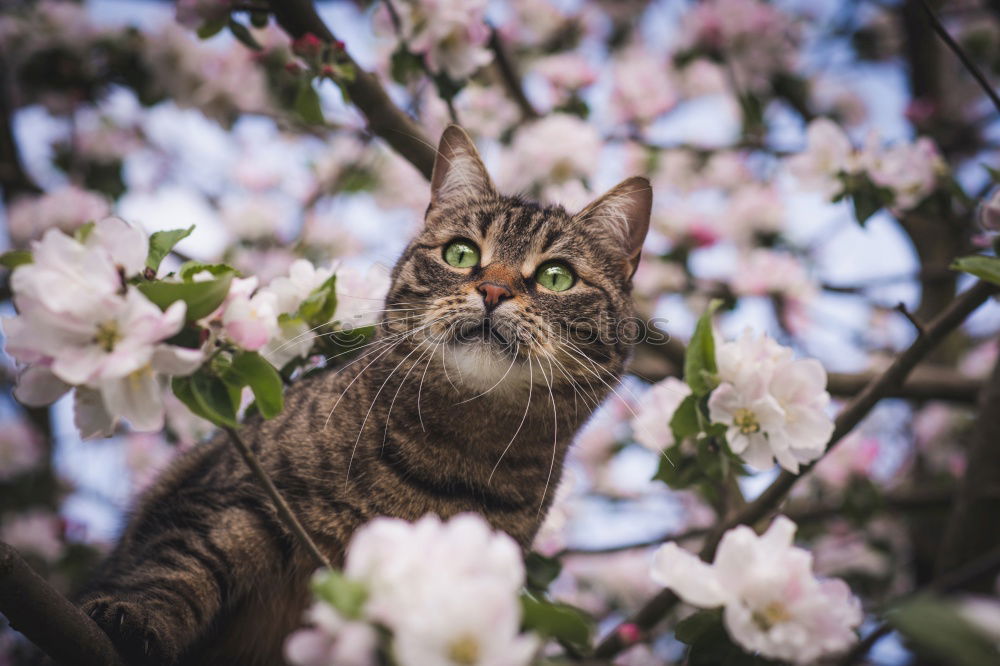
772,603
450,34
651,425
447,592
773,406
79,325
555,149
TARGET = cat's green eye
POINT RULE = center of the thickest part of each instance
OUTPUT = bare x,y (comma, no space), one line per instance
555,275
461,254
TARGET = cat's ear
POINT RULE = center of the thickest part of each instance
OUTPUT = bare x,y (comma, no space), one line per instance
459,174
623,211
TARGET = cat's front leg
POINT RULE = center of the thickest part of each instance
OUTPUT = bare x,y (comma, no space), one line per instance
158,603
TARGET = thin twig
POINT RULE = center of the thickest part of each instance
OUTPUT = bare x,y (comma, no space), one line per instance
948,582
912,318
960,52
965,304
284,511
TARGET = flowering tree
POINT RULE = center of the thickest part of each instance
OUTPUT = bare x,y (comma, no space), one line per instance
802,466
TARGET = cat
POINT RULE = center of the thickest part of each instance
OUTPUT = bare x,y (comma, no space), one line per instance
498,339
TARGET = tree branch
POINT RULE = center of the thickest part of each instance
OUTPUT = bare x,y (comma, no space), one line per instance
957,49
509,76
385,119
14,180
911,500
48,619
284,511
655,361
964,305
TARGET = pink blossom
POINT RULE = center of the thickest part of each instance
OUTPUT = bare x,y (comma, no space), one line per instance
989,211
643,88
65,208
566,73
37,532
450,34
20,449
555,149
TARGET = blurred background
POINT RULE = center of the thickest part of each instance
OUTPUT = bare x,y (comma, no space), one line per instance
175,115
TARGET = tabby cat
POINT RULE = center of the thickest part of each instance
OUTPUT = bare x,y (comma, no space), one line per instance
498,339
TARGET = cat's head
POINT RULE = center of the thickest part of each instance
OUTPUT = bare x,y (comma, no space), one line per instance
510,289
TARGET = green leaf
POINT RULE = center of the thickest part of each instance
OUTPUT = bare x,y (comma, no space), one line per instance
994,173
541,570
245,37
307,103
319,306
211,28
189,269
207,396
693,627
214,398
568,625
983,267
263,380
347,596
677,471
162,242
936,629
699,361
867,198
14,258
685,422
404,65
202,298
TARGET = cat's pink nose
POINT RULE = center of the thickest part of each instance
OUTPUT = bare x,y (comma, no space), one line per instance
493,293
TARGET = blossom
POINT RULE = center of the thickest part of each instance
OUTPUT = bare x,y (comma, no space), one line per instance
555,149
20,449
447,592
566,73
910,170
249,319
79,325
989,211
763,272
450,34
773,604
66,208
36,531
651,425
643,88
253,217
773,406
828,153
757,39
332,640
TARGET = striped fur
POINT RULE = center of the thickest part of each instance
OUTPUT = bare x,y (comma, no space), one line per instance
205,573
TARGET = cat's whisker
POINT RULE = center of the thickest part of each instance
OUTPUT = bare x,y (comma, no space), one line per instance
364,421
610,387
555,435
527,406
429,349
420,387
388,348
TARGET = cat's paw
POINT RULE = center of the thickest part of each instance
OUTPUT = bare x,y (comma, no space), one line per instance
139,631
